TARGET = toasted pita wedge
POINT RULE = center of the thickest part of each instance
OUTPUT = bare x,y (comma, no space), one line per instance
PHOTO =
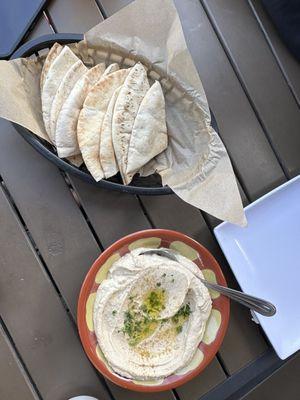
111,68
91,118
149,133
66,126
55,75
107,154
65,88
76,160
53,53
127,104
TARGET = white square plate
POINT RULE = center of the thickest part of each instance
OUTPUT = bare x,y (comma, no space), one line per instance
265,258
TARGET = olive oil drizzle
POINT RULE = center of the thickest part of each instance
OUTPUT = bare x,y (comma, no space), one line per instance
141,322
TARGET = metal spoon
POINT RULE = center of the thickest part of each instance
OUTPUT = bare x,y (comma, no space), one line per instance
261,306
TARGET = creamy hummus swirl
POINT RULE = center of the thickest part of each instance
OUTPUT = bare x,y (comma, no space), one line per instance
150,315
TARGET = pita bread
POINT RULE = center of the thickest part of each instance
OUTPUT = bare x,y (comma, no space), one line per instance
56,72
149,133
65,88
91,117
76,160
53,53
127,104
111,68
66,126
107,153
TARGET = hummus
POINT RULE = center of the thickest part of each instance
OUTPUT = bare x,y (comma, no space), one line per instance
150,315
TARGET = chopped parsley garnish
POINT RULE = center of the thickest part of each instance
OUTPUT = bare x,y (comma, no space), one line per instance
137,327
114,312
141,321
164,275
178,328
158,284
182,314
173,280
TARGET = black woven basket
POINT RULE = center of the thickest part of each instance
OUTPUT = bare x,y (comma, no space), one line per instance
150,185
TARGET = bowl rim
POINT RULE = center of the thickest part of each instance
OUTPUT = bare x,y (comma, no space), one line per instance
85,291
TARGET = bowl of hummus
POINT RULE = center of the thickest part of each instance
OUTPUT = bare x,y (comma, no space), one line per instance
146,321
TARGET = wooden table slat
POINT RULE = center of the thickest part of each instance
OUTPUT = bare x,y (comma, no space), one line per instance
36,319
261,76
50,213
112,6
74,16
112,214
288,63
14,382
283,383
211,374
124,394
243,335
41,28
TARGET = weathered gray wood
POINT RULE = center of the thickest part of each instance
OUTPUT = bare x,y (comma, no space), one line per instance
289,65
112,214
49,211
239,128
36,319
42,27
74,16
112,6
125,394
243,335
206,380
284,383
261,76
14,382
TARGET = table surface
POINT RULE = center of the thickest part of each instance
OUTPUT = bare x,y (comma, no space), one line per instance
53,225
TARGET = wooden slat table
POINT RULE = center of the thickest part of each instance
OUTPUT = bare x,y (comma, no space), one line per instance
54,225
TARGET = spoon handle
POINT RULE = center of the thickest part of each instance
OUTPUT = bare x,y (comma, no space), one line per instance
259,305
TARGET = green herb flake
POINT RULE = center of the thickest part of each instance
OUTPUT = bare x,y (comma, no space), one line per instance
182,314
114,312
158,284
179,329
144,308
